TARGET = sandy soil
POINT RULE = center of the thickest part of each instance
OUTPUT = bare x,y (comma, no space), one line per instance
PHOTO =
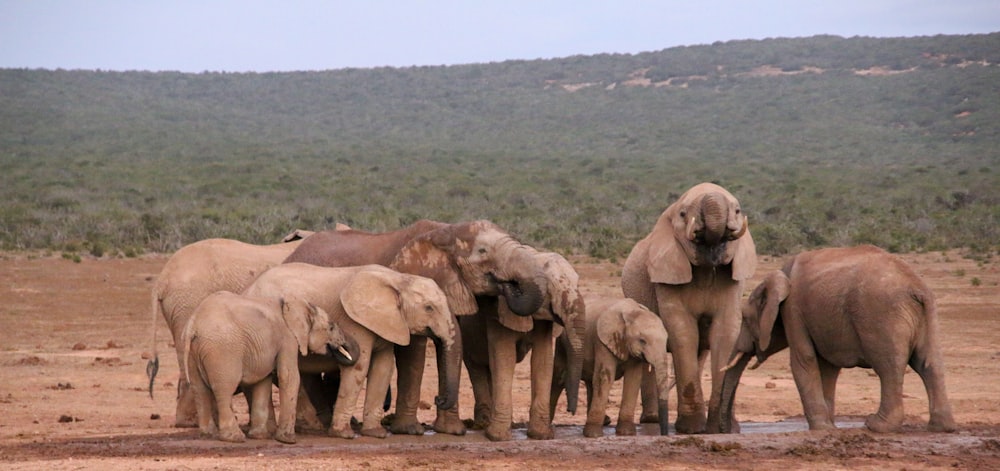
73,337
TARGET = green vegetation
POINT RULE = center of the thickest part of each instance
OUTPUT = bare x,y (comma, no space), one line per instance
825,140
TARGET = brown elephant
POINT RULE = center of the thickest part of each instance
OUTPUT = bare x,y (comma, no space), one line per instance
233,341
623,338
189,276
466,260
690,270
843,308
496,340
379,308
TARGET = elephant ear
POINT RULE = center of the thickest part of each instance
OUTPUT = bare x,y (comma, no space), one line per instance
511,320
372,299
773,291
428,255
745,256
611,332
294,313
667,262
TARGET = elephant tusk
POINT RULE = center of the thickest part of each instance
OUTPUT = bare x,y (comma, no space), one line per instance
756,364
732,363
742,231
344,352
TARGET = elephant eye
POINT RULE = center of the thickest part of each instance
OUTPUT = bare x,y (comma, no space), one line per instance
428,308
482,250
684,214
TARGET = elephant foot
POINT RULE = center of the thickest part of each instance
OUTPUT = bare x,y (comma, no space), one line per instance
481,417
690,423
941,424
625,429
375,432
406,426
876,423
593,430
186,422
450,424
341,432
259,433
285,437
498,434
308,424
645,418
232,435
541,432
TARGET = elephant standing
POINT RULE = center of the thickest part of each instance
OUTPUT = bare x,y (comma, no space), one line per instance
189,276
622,339
690,270
497,339
466,260
379,308
842,308
234,341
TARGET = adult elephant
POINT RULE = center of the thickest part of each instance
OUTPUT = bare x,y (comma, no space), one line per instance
843,308
189,276
497,339
466,260
690,271
379,308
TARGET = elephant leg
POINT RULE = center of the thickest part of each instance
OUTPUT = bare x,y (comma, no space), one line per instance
479,376
630,393
598,391
828,374
379,375
352,378
313,409
805,372
649,394
205,403
186,413
503,351
722,338
684,340
229,429
410,372
932,374
890,410
539,419
261,409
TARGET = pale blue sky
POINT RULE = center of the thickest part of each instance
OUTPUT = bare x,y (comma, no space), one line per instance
252,35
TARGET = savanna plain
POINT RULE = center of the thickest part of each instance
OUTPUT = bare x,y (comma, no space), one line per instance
74,338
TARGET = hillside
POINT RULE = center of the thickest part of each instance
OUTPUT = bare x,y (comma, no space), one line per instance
826,140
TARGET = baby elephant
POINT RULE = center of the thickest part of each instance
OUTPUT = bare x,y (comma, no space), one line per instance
621,339
843,308
238,341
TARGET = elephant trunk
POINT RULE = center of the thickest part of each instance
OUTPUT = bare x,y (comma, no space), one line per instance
730,380
523,296
449,361
344,349
715,217
661,368
575,332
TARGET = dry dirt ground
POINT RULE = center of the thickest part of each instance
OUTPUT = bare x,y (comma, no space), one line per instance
73,392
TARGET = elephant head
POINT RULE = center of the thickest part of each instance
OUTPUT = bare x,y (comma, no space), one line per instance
629,330
469,259
395,306
705,227
762,334
314,333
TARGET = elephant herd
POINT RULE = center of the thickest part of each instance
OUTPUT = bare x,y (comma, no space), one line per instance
324,315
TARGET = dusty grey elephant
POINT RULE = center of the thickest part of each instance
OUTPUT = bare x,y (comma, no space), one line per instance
379,308
466,260
189,276
234,341
843,308
623,338
690,270
497,339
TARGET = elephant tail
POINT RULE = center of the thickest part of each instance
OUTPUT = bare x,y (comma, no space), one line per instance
926,346
153,366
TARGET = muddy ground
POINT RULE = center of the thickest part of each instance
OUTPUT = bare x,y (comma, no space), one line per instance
73,336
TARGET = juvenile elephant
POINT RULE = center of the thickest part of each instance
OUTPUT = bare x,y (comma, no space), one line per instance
843,308
380,309
497,339
189,276
234,341
690,271
622,338
466,260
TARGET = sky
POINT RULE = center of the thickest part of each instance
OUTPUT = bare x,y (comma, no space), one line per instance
292,35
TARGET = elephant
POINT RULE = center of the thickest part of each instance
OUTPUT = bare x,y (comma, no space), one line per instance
690,270
842,308
497,339
466,260
379,308
234,341
189,276
622,339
